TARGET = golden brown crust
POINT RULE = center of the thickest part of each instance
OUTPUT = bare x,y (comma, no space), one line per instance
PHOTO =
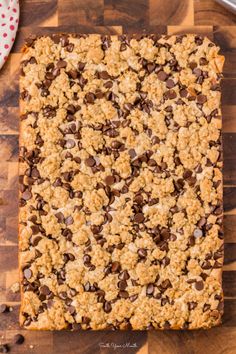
120,221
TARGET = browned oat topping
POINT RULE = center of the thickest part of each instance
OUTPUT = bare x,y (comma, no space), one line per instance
121,183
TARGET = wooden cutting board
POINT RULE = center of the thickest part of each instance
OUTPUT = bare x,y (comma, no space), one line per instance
117,17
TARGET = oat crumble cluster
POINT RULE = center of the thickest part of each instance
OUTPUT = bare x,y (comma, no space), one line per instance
120,182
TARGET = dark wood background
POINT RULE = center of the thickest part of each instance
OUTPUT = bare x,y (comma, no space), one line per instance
117,17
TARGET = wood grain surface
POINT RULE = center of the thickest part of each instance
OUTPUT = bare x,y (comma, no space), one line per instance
117,16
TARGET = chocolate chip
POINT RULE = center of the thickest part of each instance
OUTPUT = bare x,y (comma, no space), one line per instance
108,84
201,99
150,289
198,168
217,265
215,87
87,259
151,67
116,144
26,195
71,310
4,348
161,75
165,233
57,182
165,261
90,162
36,240
69,220
138,199
73,74
197,233
96,229
70,47
166,284
187,174
197,71
122,284
133,297
77,159
70,144
152,163
103,75
76,327
87,286
81,66
4,308
139,218
44,92
170,83
64,40
115,267
45,290
142,252
155,140
199,285
192,305
218,211
85,320
62,295
171,94
60,217
61,64
183,93
202,222
109,180
191,241
107,307
123,47
198,40
206,265
124,275
90,97
35,173
27,322
123,294
35,229
27,273
18,339
203,61
192,65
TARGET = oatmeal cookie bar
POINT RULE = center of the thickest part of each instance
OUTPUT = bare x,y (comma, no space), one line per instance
120,223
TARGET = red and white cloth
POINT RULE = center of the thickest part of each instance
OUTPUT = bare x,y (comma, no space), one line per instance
9,19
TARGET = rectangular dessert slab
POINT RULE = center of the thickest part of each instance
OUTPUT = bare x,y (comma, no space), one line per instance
120,223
